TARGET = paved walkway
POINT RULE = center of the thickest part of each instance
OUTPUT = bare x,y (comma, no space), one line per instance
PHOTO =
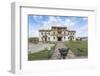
56,54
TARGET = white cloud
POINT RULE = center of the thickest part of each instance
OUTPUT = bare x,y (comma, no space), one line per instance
33,32
80,30
36,18
57,21
52,21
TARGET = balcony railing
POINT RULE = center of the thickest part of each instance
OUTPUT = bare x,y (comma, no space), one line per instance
59,34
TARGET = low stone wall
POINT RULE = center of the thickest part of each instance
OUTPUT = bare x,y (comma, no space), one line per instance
39,47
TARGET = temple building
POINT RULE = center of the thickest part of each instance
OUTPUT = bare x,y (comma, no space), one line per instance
56,33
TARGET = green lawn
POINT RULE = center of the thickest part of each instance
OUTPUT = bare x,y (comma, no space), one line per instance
42,55
39,55
79,48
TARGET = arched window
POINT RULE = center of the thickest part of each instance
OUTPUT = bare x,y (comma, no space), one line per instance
64,32
53,37
41,38
54,33
48,38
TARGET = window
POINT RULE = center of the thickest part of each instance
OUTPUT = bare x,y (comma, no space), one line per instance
41,33
53,37
64,32
64,37
73,33
59,32
54,33
68,33
48,38
41,38
48,33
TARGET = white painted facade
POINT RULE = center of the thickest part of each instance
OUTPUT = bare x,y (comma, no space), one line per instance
56,34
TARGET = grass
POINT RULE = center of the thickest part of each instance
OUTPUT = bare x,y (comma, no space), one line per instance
38,55
79,48
42,55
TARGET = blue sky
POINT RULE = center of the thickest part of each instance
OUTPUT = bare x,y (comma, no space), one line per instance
77,23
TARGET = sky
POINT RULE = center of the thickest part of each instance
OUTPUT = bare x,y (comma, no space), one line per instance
76,23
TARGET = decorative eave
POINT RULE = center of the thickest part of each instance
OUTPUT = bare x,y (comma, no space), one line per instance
62,27
72,31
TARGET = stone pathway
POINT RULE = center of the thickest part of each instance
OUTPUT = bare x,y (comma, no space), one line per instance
56,54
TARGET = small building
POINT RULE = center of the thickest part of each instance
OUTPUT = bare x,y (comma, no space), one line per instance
56,33
33,40
82,38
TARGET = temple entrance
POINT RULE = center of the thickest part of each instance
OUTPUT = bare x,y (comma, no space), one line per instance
59,38
45,39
